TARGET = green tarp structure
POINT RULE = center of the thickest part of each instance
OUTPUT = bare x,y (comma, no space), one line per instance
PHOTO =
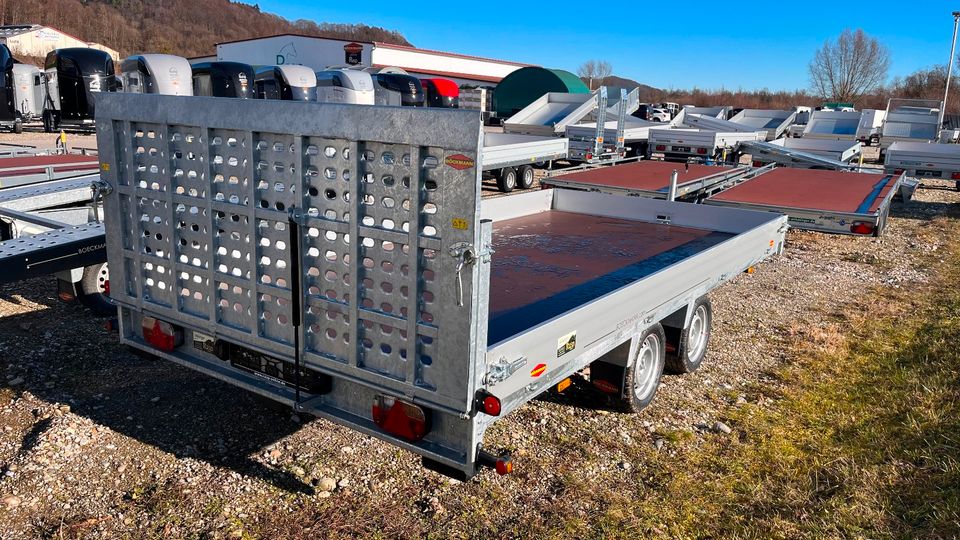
526,85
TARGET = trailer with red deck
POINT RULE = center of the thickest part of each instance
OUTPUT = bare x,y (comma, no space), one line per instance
353,271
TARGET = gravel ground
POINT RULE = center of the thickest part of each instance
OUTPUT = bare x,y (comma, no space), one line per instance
98,442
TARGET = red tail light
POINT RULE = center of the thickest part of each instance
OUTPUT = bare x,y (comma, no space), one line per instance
661,148
860,227
106,287
488,403
504,466
400,418
589,156
955,176
161,335
701,151
898,171
757,164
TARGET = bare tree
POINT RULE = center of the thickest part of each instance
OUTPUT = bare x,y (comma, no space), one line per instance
594,71
850,67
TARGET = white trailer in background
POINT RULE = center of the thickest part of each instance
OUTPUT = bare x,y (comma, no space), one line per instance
871,122
799,122
478,99
773,122
28,92
833,125
512,159
342,85
910,120
924,160
157,74
551,114
719,112
699,144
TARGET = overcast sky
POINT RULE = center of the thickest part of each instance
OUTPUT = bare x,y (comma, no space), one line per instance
753,44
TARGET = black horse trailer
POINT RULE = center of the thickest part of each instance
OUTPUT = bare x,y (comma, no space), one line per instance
223,79
72,75
408,86
288,82
8,110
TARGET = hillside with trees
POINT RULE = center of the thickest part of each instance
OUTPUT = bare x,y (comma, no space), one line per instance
183,27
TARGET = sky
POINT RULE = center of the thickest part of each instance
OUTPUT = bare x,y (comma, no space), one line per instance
759,44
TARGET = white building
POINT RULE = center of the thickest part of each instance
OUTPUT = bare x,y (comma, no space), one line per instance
36,40
320,53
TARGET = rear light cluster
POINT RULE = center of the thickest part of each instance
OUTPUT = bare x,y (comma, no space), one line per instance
161,335
702,151
862,227
502,463
955,176
757,164
661,148
400,418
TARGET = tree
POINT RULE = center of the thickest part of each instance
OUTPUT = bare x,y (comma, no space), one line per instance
594,71
850,67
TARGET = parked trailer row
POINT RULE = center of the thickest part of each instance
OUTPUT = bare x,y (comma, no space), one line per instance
424,328
924,160
684,144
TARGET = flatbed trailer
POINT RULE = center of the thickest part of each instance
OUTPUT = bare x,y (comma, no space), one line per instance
651,179
773,123
833,125
512,158
826,201
29,169
420,323
804,153
924,160
551,114
684,144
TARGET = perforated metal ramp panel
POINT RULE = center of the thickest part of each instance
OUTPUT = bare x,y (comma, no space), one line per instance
813,190
642,175
550,262
199,230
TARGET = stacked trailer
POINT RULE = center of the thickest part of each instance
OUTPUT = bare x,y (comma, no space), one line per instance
826,201
773,122
924,160
805,153
910,120
419,324
652,179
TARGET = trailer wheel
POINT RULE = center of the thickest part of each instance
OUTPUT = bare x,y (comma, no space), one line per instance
525,174
18,127
507,179
693,340
95,290
641,379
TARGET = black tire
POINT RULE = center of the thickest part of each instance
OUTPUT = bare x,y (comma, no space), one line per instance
18,127
641,379
47,122
507,179
525,176
693,340
94,286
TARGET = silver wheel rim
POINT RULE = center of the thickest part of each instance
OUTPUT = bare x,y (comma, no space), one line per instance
528,177
697,334
103,276
511,179
645,370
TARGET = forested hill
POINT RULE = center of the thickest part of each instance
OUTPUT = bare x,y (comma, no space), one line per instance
183,27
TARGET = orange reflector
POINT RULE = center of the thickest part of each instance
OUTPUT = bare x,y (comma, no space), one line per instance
750,270
564,384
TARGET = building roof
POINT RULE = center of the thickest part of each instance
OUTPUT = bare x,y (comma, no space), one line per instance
443,53
454,74
288,34
11,30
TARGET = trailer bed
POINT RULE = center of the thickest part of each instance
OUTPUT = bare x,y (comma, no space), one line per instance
551,262
828,201
21,170
650,178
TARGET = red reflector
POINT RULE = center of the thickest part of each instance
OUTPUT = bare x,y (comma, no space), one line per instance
491,405
504,466
757,164
161,335
955,176
860,227
606,386
661,147
701,151
66,296
106,287
589,156
898,171
400,418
